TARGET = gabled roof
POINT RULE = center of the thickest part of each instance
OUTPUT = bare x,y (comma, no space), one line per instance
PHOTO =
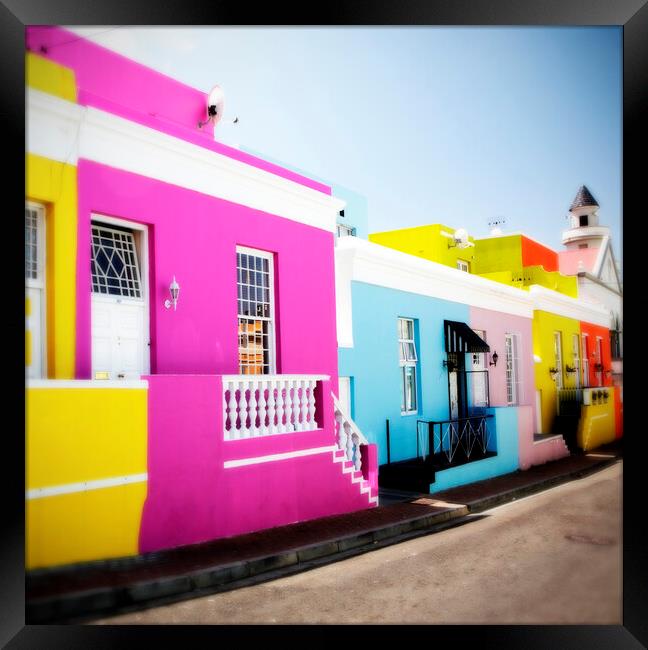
583,198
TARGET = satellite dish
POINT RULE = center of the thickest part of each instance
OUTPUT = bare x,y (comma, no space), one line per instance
461,237
215,107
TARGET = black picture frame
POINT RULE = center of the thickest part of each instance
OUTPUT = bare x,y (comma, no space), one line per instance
631,14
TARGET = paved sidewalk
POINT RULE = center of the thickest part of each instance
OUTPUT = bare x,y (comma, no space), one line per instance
77,593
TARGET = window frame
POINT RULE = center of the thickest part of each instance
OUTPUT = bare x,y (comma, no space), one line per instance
404,364
272,327
350,230
558,360
140,244
463,262
41,281
514,378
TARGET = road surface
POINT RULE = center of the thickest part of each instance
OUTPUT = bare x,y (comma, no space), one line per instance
552,558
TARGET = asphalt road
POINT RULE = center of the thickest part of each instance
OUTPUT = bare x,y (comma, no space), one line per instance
552,558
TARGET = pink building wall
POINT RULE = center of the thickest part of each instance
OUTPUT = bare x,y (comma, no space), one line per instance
113,83
194,237
569,260
496,325
192,497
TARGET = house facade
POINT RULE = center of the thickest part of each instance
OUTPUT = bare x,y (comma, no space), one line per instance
181,355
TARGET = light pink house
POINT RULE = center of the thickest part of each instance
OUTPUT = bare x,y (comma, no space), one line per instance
532,449
243,430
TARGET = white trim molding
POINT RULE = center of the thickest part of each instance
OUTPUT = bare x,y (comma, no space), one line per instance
86,383
363,261
64,131
562,305
85,486
257,460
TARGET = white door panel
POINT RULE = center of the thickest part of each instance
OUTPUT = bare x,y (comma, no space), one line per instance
118,338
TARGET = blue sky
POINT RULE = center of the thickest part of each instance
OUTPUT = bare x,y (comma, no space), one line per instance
454,125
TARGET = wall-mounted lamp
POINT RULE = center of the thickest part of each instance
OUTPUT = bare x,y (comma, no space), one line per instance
569,369
494,358
553,372
598,367
174,290
450,365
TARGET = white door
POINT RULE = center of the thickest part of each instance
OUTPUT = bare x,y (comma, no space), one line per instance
119,324
454,395
345,394
34,291
479,375
118,346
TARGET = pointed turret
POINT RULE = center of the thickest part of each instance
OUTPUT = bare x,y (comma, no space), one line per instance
583,199
584,230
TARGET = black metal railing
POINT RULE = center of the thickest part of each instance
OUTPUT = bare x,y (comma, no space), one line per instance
569,401
462,439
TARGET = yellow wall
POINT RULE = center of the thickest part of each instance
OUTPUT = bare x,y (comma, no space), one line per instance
498,254
50,77
54,184
500,259
76,435
544,326
597,423
426,242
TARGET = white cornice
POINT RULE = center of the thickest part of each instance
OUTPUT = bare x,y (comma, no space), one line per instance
64,131
561,305
375,264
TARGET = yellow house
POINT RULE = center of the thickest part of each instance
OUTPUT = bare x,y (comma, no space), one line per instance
515,259
435,242
50,242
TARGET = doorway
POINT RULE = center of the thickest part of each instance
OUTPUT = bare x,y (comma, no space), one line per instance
119,303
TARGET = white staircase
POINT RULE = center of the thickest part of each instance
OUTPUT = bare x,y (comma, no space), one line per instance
349,439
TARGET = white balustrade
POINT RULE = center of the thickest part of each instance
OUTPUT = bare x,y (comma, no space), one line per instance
288,407
349,437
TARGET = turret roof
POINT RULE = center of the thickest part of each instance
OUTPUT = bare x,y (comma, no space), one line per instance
583,198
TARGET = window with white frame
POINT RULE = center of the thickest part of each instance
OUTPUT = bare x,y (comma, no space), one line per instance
558,359
345,231
407,361
115,264
576,356
462,265
599,361
255,282
511,347
586,379
35,337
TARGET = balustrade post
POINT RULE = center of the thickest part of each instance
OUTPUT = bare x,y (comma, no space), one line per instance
243,410
342,442
358,458
304,405
349,439
272,411
296,404
252,404
281,408
311,405
263,429
233,431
